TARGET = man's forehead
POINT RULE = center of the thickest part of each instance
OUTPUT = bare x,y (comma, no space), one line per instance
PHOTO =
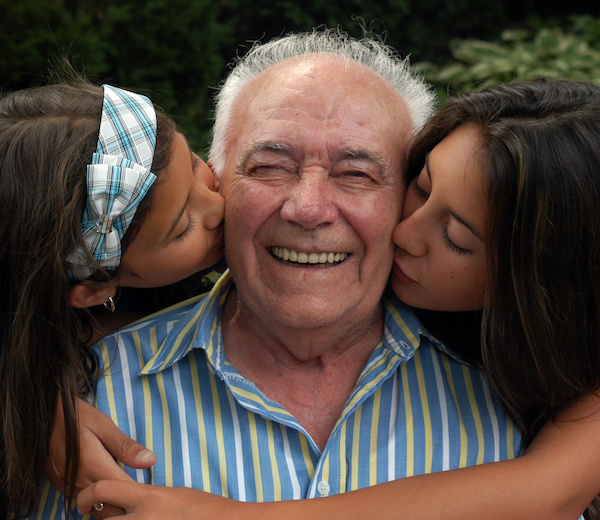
312,65
324,86
327,73
323,103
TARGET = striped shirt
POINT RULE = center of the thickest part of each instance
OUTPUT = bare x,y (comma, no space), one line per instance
415,409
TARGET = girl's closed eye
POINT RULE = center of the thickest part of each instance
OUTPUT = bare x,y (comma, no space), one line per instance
190,227
420,192
452,246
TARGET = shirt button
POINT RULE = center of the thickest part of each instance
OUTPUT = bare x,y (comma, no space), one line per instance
323,488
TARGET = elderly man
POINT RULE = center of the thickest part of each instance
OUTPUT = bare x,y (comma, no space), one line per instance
293,378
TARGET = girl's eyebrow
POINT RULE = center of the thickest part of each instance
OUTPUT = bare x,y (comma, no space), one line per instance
466,224
178,217
427,166
453,213
190,150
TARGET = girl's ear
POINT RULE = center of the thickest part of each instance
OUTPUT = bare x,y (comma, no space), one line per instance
84,295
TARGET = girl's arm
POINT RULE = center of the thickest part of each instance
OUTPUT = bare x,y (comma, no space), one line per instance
556,479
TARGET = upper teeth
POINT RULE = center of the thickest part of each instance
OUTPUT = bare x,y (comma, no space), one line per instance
307,258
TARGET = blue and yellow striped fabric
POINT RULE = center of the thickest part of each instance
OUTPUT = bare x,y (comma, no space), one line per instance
415,409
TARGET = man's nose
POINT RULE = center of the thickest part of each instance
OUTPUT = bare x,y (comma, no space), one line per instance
309,202
411,235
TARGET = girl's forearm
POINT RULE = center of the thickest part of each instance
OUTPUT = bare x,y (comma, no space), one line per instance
557,478
491,491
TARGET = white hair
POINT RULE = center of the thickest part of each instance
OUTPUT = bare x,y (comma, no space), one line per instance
380,58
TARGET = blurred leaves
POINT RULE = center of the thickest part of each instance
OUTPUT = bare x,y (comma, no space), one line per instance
177,51
169,49
552,52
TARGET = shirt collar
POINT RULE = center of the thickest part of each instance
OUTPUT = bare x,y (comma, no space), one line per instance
200,328
401,322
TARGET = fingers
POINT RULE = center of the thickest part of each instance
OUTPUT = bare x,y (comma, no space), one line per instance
122,447
96,463
120,494
98,433
107,511
128,451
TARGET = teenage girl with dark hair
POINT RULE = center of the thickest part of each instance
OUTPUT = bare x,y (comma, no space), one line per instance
98,189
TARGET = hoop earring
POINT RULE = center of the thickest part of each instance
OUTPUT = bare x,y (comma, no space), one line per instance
110,304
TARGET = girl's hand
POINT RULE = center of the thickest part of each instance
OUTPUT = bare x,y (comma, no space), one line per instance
147,502
98,438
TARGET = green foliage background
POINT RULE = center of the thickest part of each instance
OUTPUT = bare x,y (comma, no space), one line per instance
176,51
570,51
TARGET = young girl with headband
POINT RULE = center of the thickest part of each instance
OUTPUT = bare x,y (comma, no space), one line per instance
98,189
499,243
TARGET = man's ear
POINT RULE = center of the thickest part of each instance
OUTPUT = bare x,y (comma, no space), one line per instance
84,295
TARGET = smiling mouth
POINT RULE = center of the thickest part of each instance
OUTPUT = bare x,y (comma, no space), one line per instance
296,258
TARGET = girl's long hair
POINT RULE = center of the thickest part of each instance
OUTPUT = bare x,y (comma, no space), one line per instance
540,153
47,137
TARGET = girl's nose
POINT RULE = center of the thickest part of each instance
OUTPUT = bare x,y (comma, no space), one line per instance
411,236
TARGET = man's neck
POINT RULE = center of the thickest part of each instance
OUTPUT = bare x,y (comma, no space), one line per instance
309,372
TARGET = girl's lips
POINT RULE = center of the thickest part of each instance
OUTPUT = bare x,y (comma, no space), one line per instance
399,273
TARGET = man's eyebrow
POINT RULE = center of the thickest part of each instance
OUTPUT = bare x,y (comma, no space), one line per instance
252,149
453,213
261,146
270,146
366,155
360,153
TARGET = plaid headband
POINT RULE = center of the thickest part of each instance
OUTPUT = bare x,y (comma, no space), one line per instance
117,179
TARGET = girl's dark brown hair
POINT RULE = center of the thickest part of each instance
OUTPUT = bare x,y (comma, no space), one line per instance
47,137
540,151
